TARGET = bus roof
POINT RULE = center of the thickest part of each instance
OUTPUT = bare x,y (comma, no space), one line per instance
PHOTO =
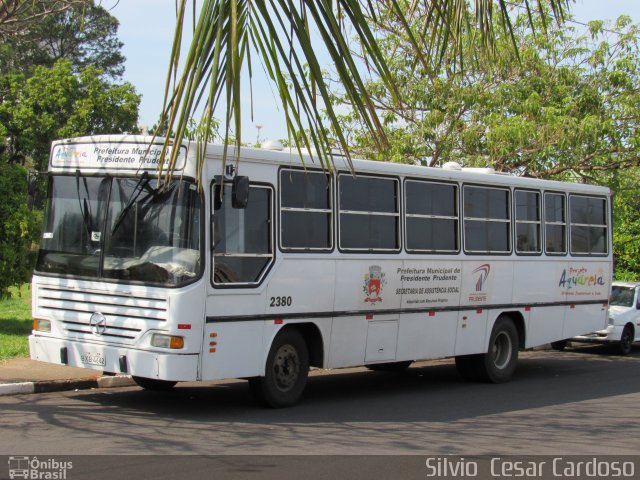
285,157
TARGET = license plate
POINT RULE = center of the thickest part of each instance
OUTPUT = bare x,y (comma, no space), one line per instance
93,358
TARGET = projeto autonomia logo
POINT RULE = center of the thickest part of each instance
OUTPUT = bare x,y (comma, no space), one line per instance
36,469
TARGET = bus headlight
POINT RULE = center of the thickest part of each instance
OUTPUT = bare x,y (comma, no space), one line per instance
41,325
167,341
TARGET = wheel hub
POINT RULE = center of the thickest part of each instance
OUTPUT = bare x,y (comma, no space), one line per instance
286,367
501,350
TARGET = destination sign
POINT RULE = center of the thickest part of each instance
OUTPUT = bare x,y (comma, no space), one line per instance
119,156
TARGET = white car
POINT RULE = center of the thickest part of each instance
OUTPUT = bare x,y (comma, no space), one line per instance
624,318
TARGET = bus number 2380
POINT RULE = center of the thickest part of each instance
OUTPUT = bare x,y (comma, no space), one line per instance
281,301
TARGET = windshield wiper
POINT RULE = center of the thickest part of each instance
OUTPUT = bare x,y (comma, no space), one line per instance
84,205
137,190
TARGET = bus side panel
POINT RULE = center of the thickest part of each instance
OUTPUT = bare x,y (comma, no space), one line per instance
427,335
486,282
367,286
546,325
472,332
233,350
583,319
585,281
537,279
301,285
348,341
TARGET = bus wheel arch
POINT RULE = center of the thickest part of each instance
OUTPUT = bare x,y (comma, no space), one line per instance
518,320
498,364
286,369
315,344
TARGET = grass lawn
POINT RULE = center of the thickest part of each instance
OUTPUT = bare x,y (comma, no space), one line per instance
15,323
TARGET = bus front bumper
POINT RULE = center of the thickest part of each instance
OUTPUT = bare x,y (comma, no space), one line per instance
108,358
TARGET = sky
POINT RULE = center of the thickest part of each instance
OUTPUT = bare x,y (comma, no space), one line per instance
147,26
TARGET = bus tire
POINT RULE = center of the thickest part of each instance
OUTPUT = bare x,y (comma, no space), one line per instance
286,371
154,384
501,359
390,367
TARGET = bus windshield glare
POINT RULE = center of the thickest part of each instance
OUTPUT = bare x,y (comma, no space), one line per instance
131,229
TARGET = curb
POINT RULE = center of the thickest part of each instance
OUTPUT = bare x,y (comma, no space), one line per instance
65,385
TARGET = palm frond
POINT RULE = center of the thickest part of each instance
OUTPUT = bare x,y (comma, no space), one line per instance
230,34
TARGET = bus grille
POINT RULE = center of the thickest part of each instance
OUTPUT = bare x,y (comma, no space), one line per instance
127,316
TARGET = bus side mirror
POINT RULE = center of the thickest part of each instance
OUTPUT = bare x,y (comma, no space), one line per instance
240,192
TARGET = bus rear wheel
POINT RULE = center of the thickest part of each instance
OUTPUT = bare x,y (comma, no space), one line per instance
154,384
501,359
286,371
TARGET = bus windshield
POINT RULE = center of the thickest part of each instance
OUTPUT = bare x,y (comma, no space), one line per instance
131,229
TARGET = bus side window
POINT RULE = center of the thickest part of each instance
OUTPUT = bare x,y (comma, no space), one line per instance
527,210
431,217
369,213
555,223
487,220
243,247
588,225
305,211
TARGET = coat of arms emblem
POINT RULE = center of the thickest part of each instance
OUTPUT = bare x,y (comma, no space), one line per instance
374,281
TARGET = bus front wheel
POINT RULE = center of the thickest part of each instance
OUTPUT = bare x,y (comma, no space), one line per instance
286,371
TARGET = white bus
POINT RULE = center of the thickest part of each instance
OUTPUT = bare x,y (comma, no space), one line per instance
289,268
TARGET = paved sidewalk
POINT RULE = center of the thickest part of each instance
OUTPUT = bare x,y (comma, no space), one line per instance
23,375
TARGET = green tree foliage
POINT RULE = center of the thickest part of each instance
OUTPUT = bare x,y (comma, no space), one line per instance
567,108
229,35
57,103
18,226
55,59
17,16
626,231
83,33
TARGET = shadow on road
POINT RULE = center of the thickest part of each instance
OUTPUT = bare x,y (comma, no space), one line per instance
401,408
431,392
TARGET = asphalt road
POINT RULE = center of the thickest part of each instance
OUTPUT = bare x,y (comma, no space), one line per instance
582,401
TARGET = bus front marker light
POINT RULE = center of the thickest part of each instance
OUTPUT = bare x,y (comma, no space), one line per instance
167,341
40,325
